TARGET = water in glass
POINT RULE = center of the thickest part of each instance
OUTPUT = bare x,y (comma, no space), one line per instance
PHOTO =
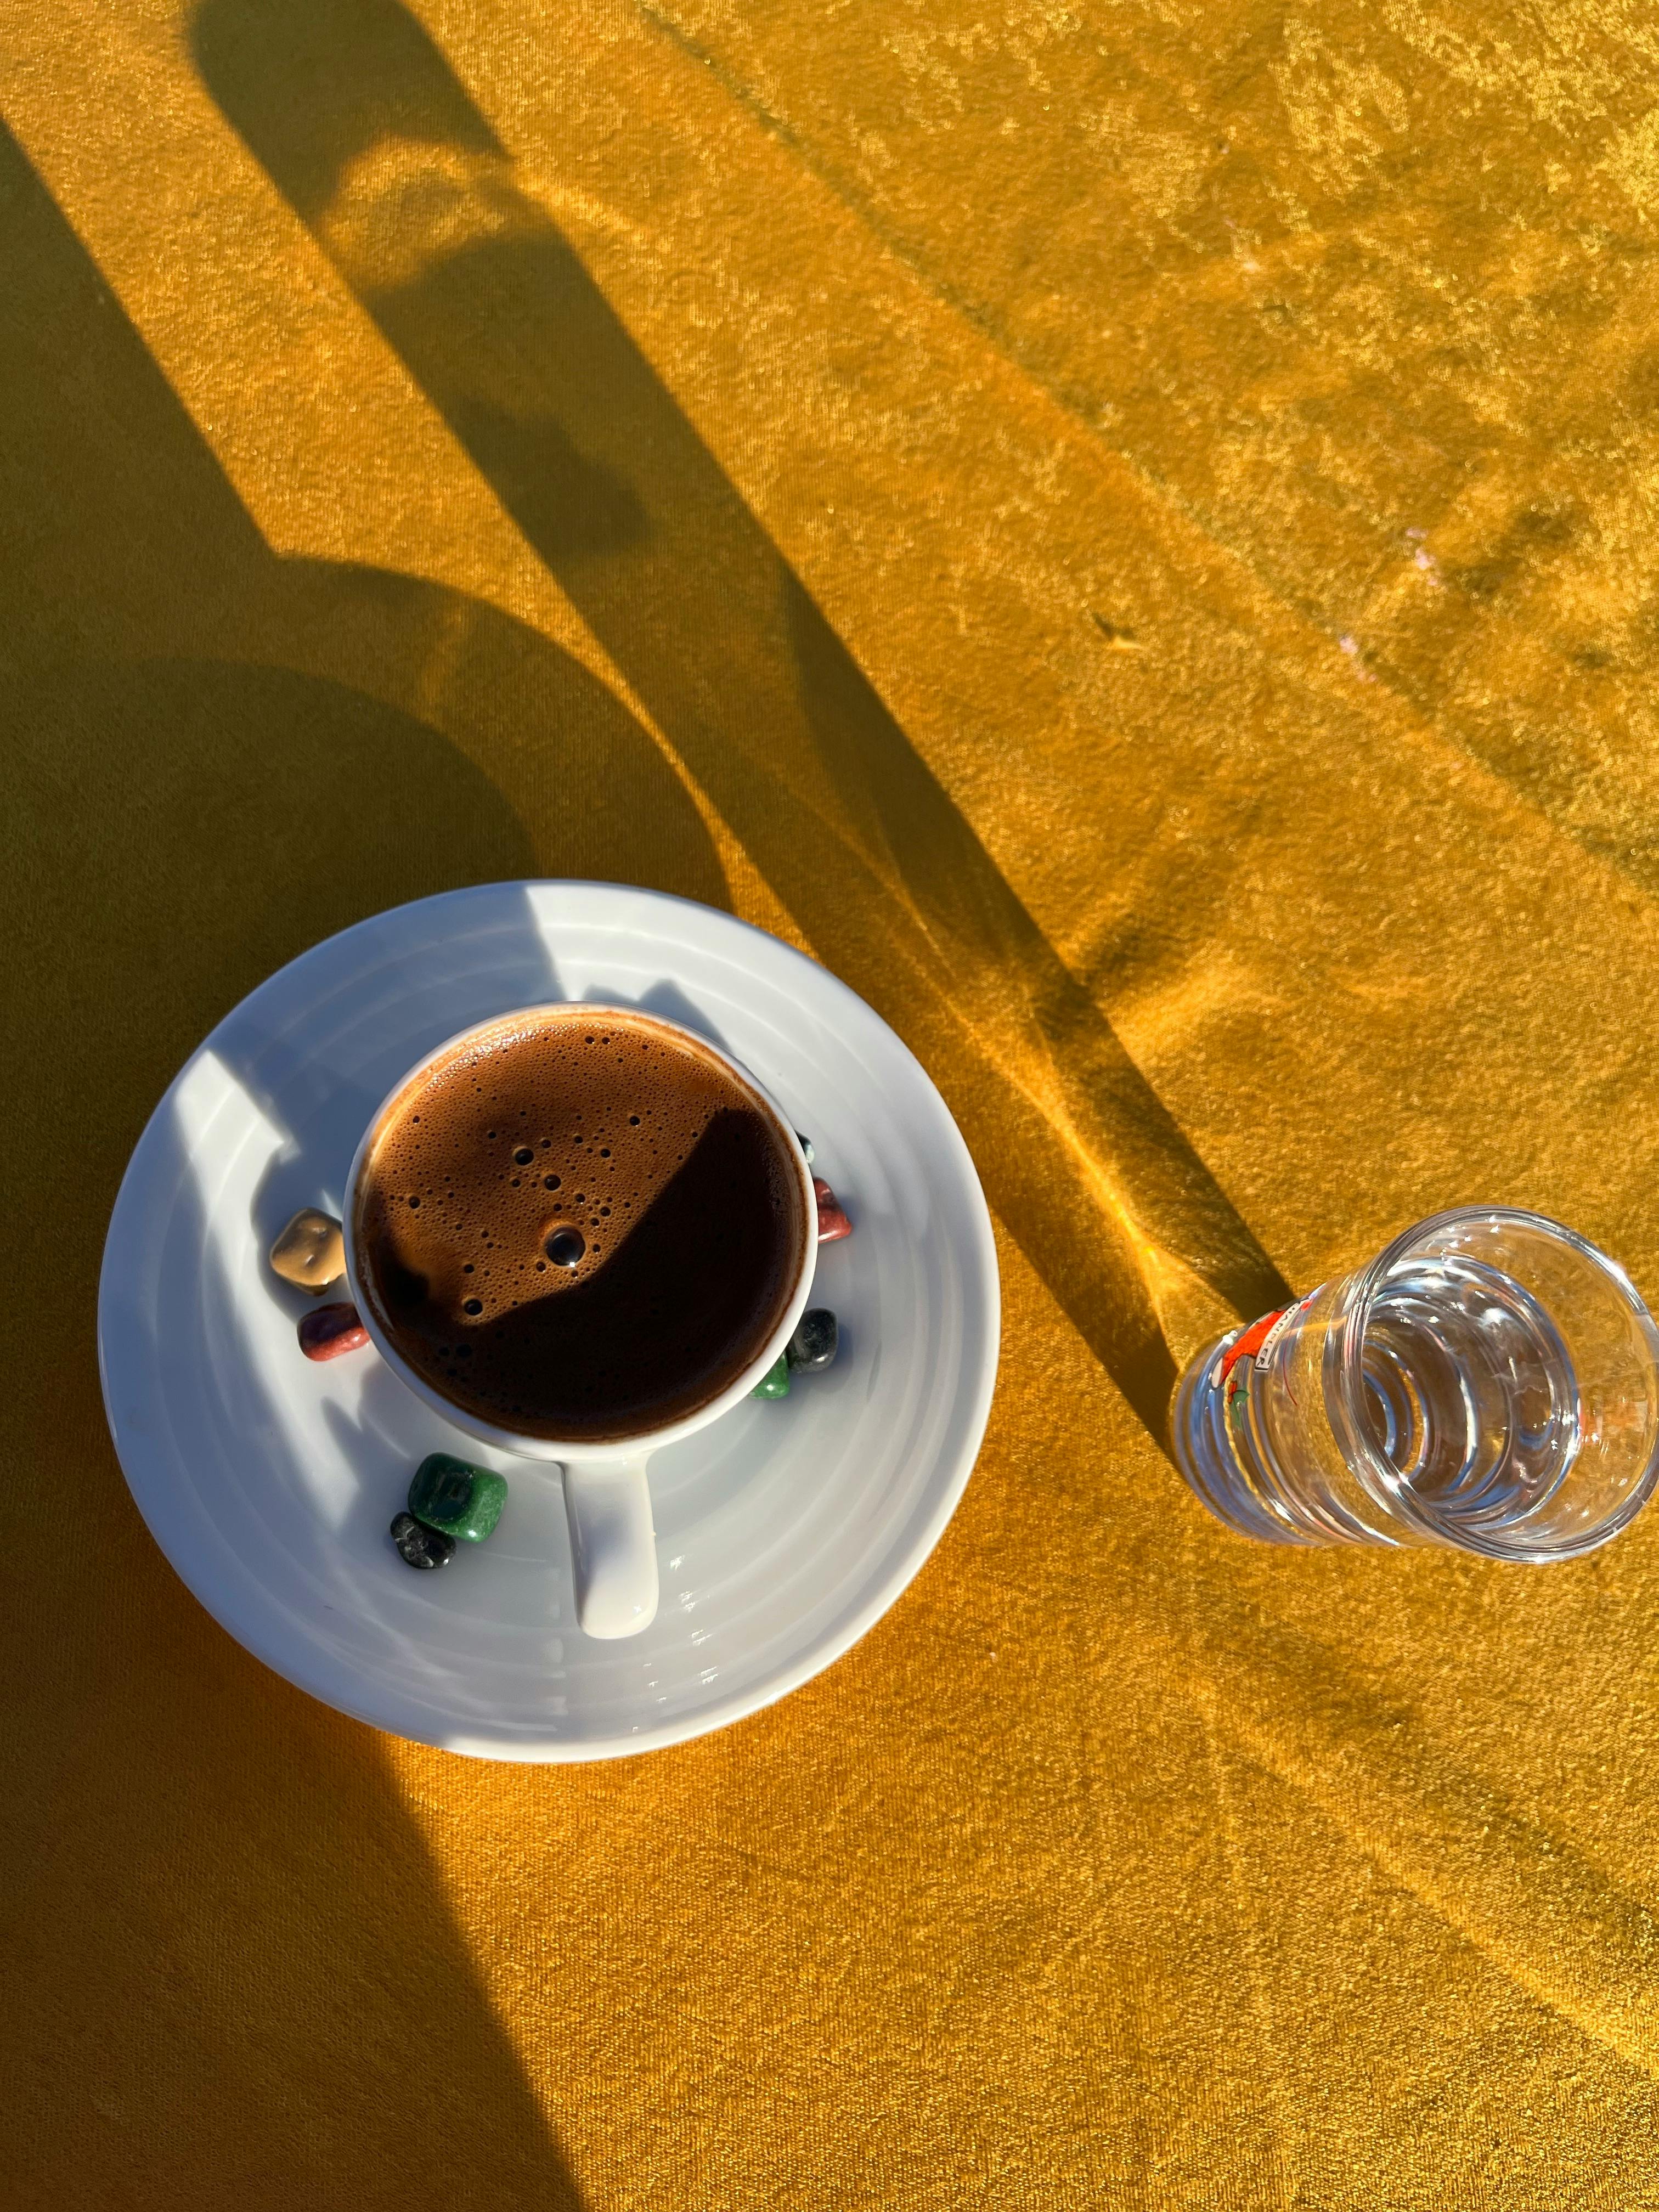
1491,1381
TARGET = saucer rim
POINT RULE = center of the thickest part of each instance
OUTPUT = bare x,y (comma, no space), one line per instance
144,1461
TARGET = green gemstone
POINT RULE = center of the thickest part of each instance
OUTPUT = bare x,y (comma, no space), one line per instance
775,1384
462,1501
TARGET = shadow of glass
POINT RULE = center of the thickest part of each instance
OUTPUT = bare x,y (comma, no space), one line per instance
220,1893
338,731
323,1098
277,1482
669,999
239,1919
359,120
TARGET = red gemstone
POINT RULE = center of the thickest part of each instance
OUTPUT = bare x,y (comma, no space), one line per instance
833,1223
328,1331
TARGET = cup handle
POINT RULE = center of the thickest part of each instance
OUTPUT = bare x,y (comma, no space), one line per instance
613,1544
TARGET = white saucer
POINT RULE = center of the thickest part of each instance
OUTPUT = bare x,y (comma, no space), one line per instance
784,1531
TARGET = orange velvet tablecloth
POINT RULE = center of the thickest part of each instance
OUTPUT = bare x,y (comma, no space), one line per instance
1129,533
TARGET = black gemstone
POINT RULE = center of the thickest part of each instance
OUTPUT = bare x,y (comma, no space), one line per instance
815,1343
421,1546
565,1247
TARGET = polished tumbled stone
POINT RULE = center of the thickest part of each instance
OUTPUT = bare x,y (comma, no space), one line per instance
805,1143
815,1343
421,1546
463,1500
311,1251
327,1331
775,1384
833,1223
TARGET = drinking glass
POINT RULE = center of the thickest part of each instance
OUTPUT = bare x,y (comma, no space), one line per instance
1490,1382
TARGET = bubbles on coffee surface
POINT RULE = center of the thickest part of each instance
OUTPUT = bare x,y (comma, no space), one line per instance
546,1232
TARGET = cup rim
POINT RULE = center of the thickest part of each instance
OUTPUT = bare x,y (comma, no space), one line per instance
1378,1473
611,1450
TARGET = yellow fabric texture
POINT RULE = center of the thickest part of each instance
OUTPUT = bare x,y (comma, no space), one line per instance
1129,533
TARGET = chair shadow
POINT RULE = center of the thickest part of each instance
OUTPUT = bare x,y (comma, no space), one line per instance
234,1954
361,123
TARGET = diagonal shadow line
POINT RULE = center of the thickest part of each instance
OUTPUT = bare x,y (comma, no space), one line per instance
1584,2017
1280,2104
1541,1913
1598,2019
361,123
1528,782
230,1955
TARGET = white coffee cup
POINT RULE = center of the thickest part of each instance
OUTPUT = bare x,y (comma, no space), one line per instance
606,1494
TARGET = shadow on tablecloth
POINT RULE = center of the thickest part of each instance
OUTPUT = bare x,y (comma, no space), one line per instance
239,1957
364,126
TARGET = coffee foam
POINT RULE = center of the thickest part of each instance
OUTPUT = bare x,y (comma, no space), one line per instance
637,1137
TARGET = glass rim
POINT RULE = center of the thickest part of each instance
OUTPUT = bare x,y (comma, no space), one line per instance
1364,1287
